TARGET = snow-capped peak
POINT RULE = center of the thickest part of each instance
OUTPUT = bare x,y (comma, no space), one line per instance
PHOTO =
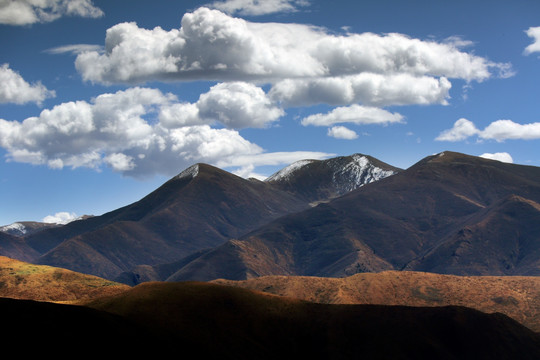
190,172
289,170
14,229
356,173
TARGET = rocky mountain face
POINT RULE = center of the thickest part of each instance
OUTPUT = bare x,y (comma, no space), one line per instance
450,213
321,180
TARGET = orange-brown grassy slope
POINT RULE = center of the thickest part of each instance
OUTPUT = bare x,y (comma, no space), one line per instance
515,296
21,280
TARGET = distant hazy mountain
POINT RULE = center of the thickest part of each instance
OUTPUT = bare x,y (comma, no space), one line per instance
25,228
449,213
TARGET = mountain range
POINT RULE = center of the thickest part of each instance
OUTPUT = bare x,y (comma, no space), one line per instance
339,258
450,213
193,212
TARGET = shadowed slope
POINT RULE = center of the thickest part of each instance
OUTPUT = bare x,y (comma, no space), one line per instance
234,323
14,246
515,296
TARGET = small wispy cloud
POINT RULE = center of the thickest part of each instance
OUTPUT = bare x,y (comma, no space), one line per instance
258,7
74,49
341,132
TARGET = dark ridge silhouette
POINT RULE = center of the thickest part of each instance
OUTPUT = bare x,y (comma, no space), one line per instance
234,323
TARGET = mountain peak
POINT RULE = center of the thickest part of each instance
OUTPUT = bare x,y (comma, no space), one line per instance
320,180
288,171
190,172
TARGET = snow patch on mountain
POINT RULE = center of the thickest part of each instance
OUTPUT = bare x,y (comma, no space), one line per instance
356,173
14,229
190,172
286,172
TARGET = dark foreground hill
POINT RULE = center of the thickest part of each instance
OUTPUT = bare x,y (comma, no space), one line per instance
196,320
449,213
515,296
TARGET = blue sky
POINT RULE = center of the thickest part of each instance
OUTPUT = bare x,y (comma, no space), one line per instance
103,101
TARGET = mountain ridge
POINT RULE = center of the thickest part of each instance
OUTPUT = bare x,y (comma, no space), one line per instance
198,209
392,224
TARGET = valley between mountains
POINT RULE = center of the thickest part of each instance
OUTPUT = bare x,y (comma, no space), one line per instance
328,258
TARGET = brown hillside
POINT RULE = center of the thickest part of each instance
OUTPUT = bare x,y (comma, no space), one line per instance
449,214
232,323
515,296
21,280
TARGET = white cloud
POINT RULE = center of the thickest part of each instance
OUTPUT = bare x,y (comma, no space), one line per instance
499,130
341,132
534,33
248,172
355,114
500,156
366,88
211,45
75,49
137,132
272,158
258,7
238,105
461,130
60,218
14,89
26,12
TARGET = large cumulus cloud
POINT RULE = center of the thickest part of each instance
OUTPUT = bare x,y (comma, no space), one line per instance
303,65
143,131
215,46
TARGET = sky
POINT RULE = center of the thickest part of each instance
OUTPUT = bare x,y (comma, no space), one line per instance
103,101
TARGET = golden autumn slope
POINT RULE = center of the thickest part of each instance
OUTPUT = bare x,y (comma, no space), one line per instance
21,280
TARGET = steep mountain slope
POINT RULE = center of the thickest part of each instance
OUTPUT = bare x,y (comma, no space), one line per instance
22,280
515,296
235,323
200,208
321,180
15,247
413,220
